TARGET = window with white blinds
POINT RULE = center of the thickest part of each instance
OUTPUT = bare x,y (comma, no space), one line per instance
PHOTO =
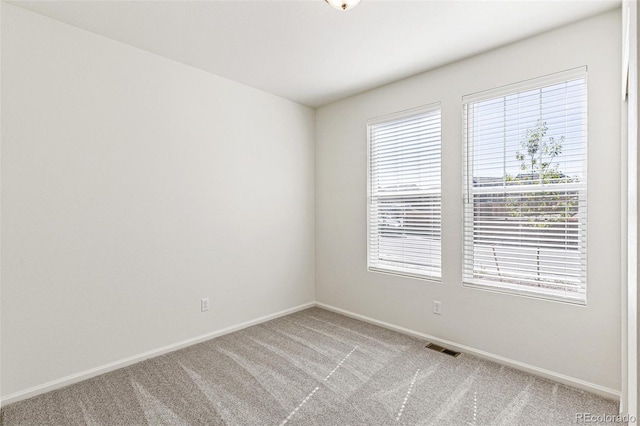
404,193
525,195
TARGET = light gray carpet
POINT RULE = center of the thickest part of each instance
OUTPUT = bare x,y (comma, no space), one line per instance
313,367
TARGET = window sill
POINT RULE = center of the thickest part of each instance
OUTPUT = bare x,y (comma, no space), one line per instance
404,273
579,298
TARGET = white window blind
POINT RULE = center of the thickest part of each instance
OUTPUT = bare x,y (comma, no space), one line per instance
404,193
525,195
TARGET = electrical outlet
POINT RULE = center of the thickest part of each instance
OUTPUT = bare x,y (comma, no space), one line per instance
204,304
437,307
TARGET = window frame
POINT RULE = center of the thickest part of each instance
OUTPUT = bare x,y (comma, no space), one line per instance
429,274
468,269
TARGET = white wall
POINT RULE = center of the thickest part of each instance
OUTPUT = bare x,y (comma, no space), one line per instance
132,187
582,343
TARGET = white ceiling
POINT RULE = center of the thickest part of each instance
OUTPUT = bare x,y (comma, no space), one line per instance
310,53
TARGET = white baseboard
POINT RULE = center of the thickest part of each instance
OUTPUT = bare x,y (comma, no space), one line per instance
87,374
541,372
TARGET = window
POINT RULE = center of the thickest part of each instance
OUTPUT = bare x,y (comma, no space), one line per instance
525,195
404,193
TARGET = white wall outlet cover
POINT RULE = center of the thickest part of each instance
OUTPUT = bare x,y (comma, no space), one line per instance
204,304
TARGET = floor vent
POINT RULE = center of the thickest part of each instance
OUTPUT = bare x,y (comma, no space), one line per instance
443,350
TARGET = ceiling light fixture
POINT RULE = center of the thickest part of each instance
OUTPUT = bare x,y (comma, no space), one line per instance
343,4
